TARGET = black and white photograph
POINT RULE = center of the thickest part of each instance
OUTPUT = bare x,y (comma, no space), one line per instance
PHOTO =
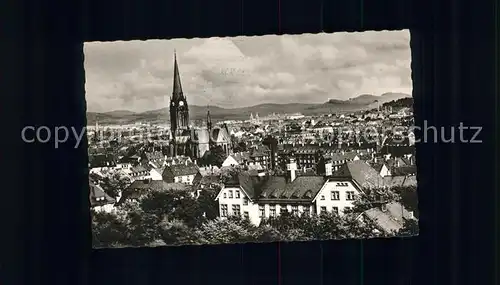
251,139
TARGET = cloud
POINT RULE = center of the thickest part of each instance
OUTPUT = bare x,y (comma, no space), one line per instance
244,71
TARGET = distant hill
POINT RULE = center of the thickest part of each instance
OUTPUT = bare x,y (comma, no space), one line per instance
362,102
400,103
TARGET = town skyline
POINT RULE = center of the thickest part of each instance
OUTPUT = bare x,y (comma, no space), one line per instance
247,71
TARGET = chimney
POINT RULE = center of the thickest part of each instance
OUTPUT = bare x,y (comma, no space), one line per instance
292,168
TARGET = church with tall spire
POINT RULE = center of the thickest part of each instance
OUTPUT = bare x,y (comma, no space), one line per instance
188,140
179,109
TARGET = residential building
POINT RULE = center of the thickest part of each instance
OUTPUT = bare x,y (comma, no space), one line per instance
99,200
264,196
181,173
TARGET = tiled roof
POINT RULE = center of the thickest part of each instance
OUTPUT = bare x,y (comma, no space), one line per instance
390,220
310,149
182,169
277,188
154,155
361,172
392,181
138,168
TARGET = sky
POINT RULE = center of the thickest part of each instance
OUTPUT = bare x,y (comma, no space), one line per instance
246,71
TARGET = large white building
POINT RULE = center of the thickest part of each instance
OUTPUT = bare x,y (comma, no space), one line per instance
263,196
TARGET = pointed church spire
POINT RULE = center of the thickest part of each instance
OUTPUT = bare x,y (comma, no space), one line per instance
177,87
209,119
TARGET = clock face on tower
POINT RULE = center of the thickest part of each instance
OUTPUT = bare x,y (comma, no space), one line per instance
181,103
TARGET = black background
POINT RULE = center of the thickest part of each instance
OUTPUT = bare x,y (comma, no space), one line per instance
45,220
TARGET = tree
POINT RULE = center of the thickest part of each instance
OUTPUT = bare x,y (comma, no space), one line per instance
230,173
223,231
215,156
176,232
114,185
208,205
108,230
408,198
241,146
410,228
266,233
172,204
141,228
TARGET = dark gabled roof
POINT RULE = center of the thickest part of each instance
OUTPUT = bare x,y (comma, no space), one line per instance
101,160
390,220
138,169
278,187
182,169
394,181
377,166
154,155
262,150
404,170
361,172
210,179
97,192
309,149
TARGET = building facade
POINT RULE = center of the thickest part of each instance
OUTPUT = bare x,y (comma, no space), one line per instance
262,196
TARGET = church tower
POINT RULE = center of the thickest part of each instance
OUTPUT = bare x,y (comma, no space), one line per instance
209,119
179,111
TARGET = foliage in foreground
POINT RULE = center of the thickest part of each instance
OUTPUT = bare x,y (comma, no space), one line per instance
176,218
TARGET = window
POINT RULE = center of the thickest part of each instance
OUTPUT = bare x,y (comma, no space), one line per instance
223,210
272,210
335,195
323,209
245,201
245,215
322,197
261,211
350,195
230,194
335,210
237,194
295,209
236,210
